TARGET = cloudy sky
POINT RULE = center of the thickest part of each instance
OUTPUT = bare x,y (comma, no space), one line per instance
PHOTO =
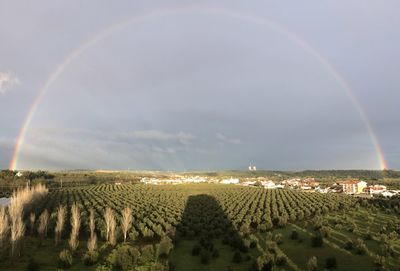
184,85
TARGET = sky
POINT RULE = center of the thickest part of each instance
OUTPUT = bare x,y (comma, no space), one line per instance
199,85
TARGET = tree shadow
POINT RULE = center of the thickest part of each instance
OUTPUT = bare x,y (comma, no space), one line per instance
205,235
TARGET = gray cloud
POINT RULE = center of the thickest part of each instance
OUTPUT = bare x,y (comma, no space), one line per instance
184,138
224,138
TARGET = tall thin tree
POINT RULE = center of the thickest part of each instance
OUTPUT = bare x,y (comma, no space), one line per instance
32,220
61,212
126,221
4,226
75,226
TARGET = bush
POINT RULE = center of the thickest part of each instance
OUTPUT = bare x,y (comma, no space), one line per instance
157,267
205,257
349,245
281,260
147,254
331,263
124,257
33,265
237,257
294,235
164,247
360,246
196,250
253,244
215,253
90,258
65,259
317,241
368,236
312,264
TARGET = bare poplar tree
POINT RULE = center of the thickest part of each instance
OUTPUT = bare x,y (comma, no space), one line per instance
43,224
61,212
16,210
109,220
113,229
32,219
92,242
75,225
4,226
126,221
92,225
17,232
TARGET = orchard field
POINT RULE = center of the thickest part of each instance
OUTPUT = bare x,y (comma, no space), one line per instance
200,227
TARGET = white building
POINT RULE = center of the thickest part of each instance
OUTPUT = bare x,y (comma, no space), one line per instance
230,181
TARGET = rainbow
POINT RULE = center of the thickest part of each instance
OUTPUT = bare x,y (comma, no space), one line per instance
217,11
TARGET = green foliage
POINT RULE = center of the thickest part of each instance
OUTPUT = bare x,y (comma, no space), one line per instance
205,257
124,257
331,263
360,246
33,265
294,235
237,257
281,260
65,259
317,241
312,264
157,267
196,250
164,247
90,258
147,254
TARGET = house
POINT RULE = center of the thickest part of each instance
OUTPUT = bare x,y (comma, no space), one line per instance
230,181
375,189
269,185
19,174
353,186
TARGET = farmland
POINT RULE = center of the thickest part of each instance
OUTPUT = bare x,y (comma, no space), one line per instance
204,227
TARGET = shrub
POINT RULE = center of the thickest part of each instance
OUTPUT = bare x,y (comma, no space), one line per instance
215,253
349,245
294,235
205,257
331,263
196,250
281,260
312,264
157,267
90,258
278,238
124,257
317,241
148,254
164,247
237,257
368,236
65,259
253,244
33,265
360,246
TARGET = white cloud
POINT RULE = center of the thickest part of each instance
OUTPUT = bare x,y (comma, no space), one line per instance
7,81
224,138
